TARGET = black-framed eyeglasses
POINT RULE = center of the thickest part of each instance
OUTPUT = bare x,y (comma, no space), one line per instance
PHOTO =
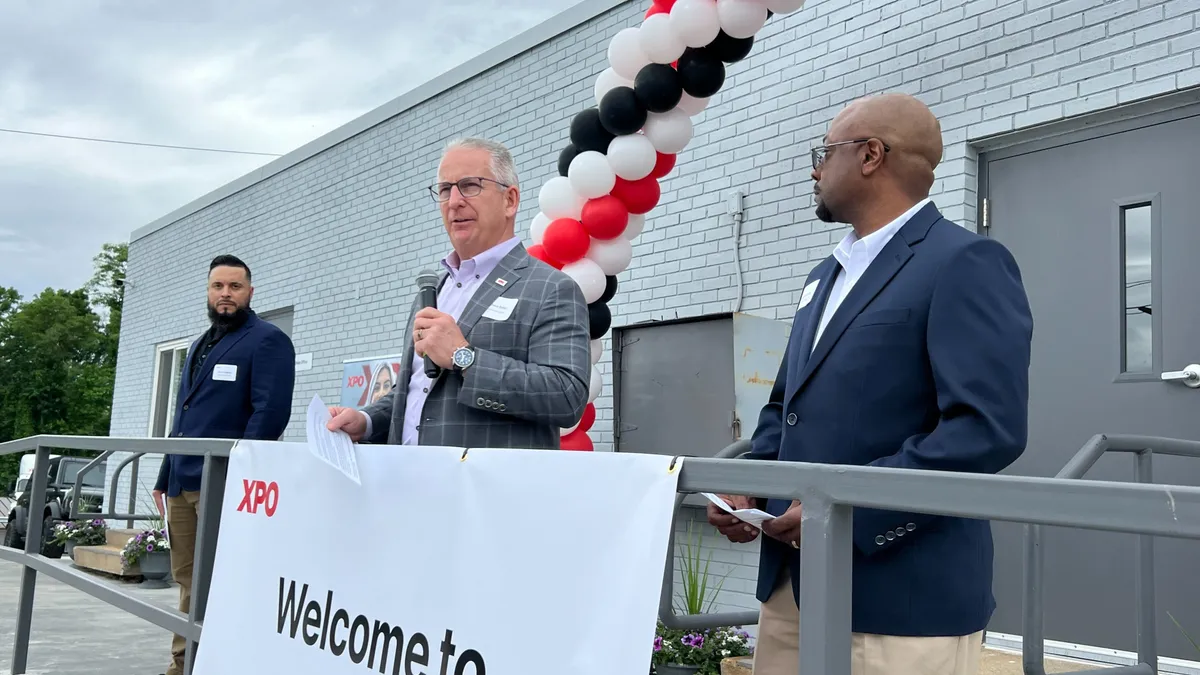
819,152
469,186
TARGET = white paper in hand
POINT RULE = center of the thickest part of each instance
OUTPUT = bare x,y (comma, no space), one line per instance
753,517
332,447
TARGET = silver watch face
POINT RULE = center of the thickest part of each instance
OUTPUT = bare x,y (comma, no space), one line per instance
463,357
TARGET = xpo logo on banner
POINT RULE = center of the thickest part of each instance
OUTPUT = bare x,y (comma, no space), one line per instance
259,493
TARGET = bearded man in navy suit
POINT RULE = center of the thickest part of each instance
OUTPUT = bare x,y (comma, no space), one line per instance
237,383
909,349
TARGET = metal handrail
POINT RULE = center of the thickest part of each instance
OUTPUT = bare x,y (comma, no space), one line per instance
830,493
73,513
666,612
1033,642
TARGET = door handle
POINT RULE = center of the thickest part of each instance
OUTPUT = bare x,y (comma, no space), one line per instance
1190,376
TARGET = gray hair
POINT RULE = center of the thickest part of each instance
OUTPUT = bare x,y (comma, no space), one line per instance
502,165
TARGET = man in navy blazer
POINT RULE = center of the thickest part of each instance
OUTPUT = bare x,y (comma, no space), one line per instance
237,382
909,349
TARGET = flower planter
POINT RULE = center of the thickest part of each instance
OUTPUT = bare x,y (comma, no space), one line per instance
675,669
155,567
70,550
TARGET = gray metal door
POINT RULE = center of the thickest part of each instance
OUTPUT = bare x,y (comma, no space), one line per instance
1106,230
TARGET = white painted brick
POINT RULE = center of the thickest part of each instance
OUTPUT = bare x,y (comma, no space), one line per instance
985,66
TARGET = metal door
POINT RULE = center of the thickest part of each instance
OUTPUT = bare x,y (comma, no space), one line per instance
1106,230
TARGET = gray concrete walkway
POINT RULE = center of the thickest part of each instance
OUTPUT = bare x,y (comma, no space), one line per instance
76,634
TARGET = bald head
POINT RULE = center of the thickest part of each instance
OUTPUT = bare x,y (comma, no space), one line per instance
911,132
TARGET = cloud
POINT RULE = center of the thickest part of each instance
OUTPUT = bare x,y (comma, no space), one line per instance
264,76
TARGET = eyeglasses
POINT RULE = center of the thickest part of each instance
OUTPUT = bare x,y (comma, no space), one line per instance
819,152
470,186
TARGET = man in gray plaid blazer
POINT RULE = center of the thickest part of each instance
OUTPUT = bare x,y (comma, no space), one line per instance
510,333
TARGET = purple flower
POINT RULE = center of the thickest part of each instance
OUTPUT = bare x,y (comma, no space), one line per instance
149,548
657,643
693,640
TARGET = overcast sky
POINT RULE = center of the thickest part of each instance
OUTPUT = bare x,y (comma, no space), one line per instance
261,76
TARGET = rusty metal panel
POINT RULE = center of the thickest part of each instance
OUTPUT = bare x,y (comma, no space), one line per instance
758,345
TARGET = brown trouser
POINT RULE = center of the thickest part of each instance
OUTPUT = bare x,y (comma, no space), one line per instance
777,650
182,518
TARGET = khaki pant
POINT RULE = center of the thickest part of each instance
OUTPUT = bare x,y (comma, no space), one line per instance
182,520
777,650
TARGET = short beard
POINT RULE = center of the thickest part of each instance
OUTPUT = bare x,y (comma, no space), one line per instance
824,214
228,321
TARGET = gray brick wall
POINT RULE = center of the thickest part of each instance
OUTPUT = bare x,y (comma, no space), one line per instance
341,235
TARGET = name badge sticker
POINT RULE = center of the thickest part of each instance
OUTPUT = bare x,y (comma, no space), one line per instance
224,372
807,296
501,309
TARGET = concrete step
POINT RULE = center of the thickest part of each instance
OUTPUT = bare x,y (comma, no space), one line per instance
106,559
119,536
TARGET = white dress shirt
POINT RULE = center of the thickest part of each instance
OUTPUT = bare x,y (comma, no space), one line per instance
854,256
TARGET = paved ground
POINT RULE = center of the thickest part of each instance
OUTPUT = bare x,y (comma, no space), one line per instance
76,634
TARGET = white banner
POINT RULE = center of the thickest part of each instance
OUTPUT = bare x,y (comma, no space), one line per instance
506,562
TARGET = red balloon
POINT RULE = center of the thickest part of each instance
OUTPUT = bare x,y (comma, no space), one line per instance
577,440
655,9
538,251
638,196
589,418
666,5
566,240
605,217
662,165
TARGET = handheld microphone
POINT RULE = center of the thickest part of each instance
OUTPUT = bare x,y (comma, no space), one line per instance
427,283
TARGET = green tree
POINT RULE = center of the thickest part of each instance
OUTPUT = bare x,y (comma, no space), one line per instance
58,358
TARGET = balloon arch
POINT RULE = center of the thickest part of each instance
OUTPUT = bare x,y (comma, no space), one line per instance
661,73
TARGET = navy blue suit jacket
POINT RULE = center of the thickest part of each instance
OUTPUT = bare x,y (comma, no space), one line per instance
257,404
925,365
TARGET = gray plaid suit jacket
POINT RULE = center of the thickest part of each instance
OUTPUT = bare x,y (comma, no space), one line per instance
531,372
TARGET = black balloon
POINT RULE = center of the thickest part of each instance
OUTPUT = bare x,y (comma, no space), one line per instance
564,158
587,133
729,49
701,73
620,111
658,87
599,319
770,14
610,288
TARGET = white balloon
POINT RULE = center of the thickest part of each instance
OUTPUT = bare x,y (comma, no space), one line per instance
659,40
695,22
589,276
637,222
597,350
741,18
537,229
783,6
611,255
558,199
692,105
669,132
595,385
632,156
590,175
607,81
625,53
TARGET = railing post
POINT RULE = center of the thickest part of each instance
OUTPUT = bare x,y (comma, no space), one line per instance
33,545
133,483
212,497
1147,637
1033,639
826,557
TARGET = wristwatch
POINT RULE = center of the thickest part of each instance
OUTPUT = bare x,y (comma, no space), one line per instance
464,356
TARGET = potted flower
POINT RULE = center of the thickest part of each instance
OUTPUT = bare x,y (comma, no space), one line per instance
150,551
697,652
80,533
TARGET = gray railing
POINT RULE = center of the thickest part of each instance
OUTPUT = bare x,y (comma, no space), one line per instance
829,493
1033,645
